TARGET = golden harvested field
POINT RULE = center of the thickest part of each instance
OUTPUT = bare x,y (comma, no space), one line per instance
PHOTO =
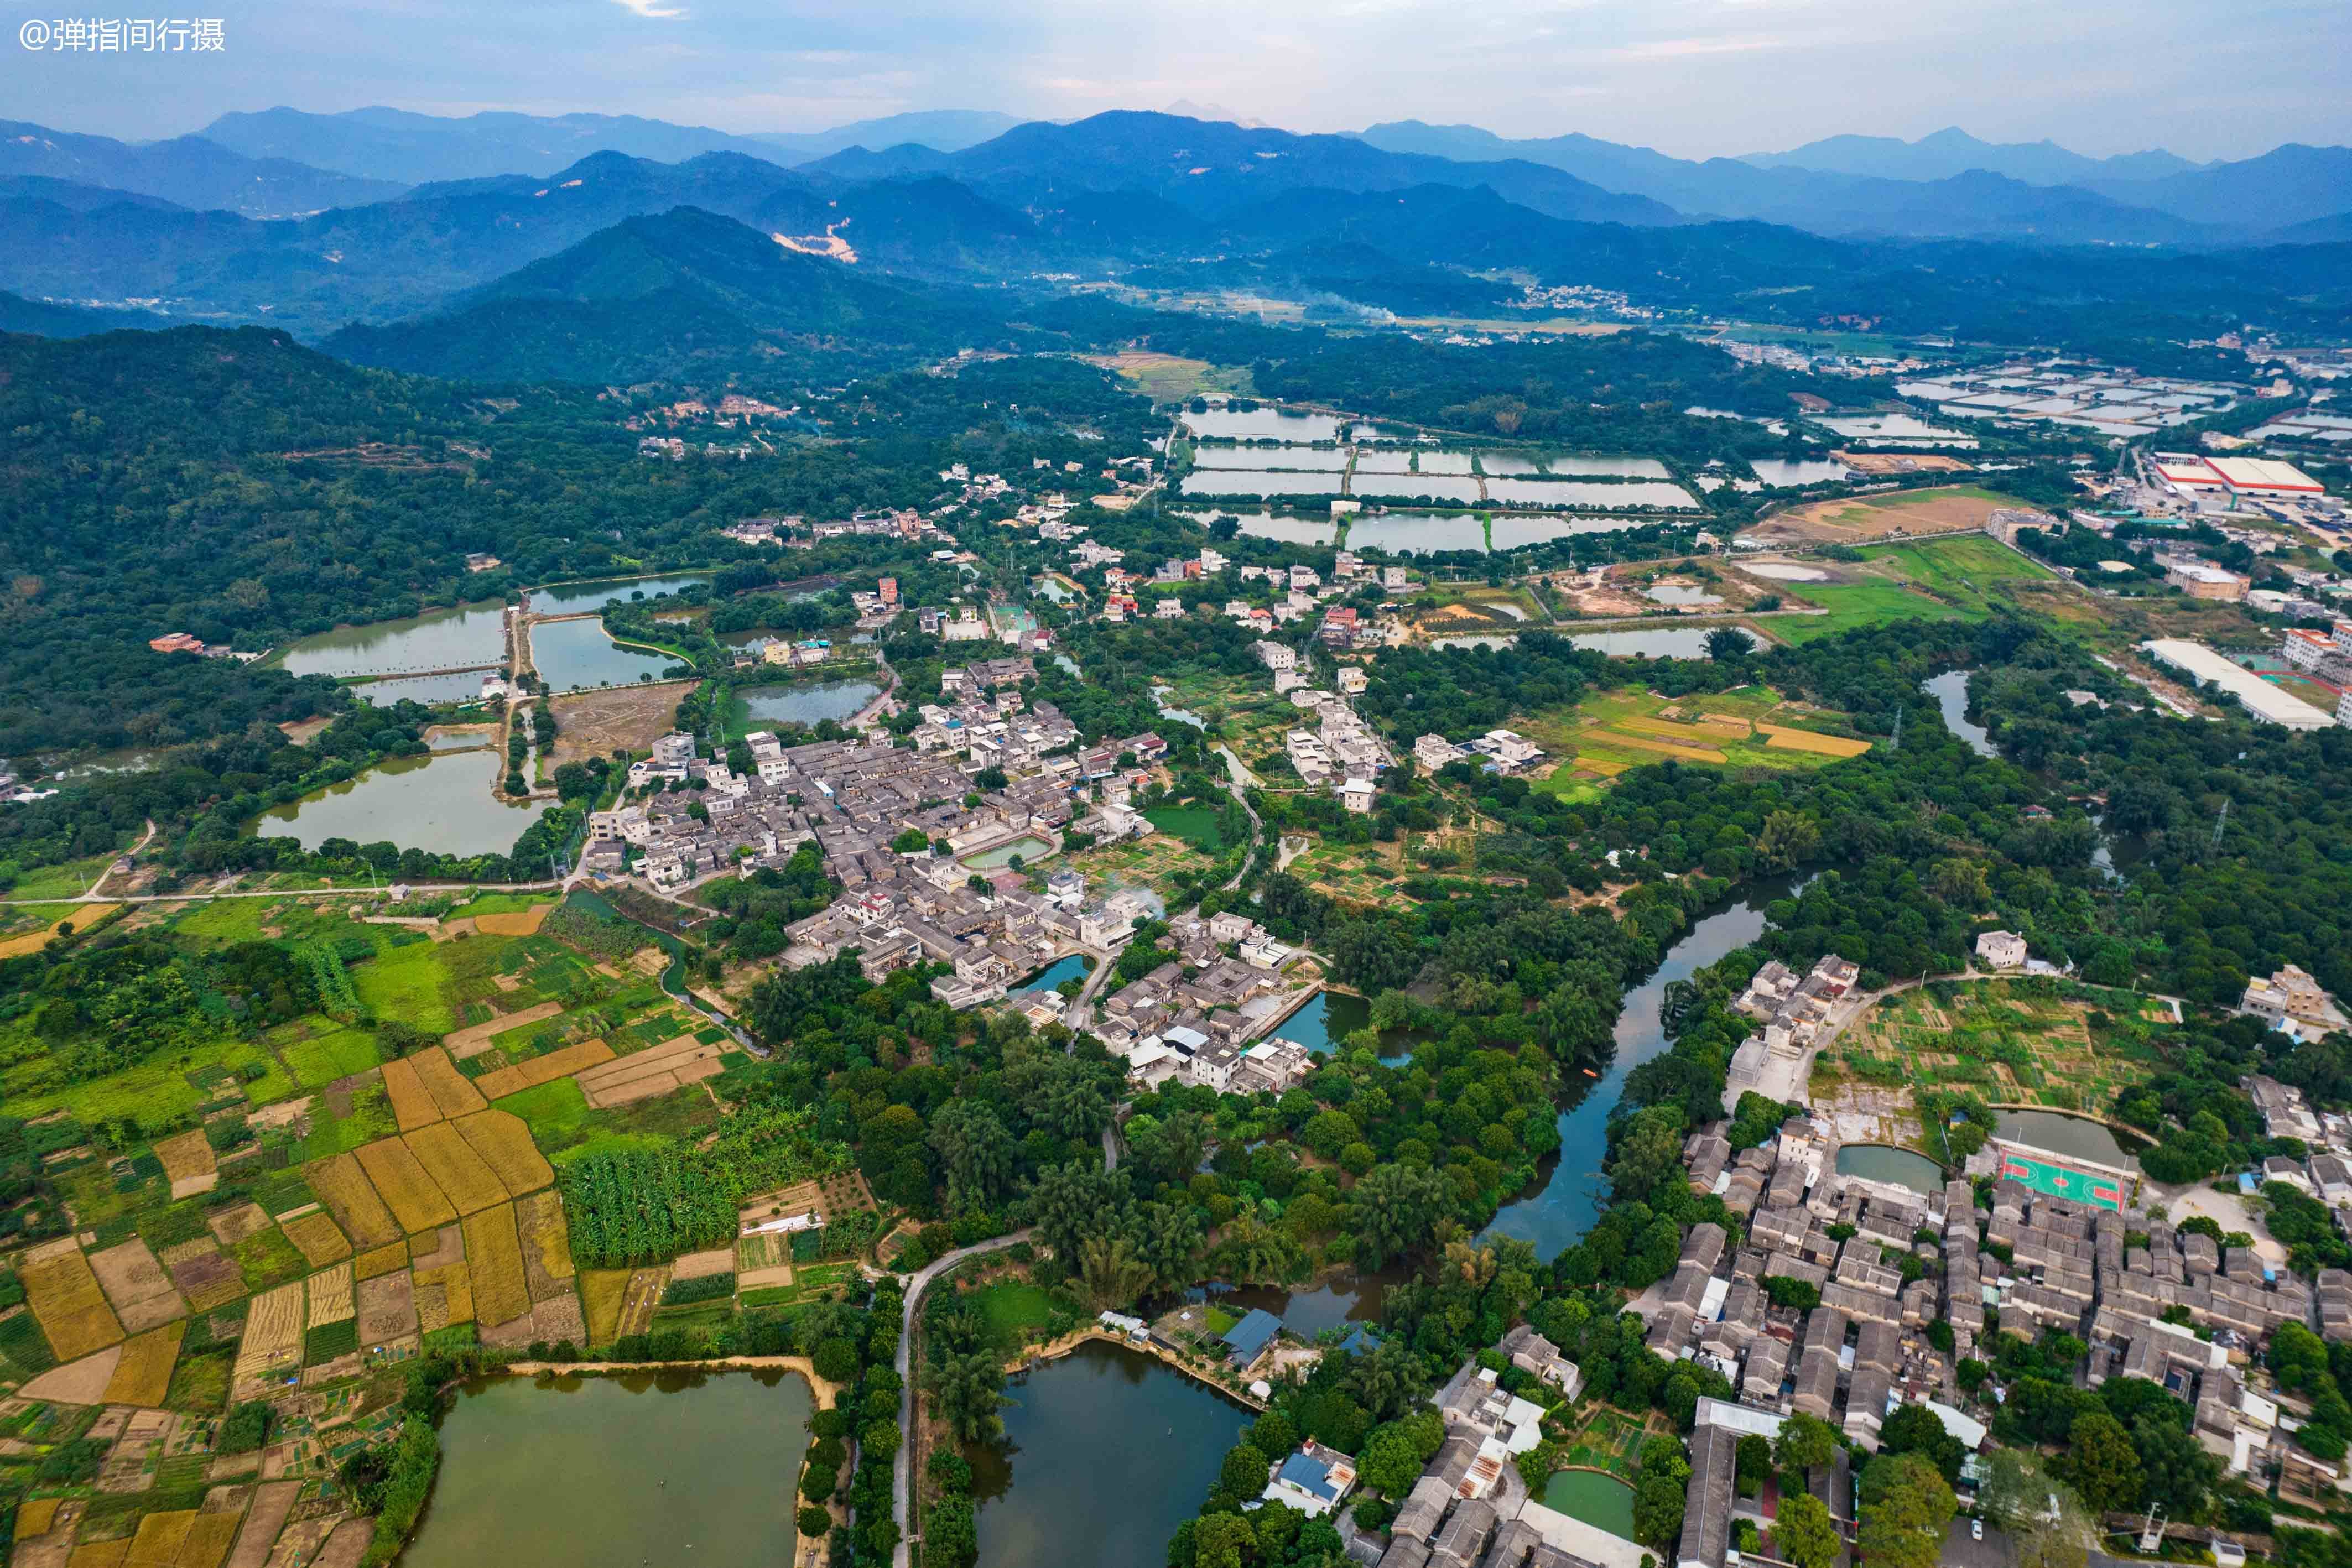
444,1296
186,1155
644,1293
83,917
601,1292
412,1102
388,1259
345,1189
452,1096
316,1235
208,1540
273,1331
160,1538
515,922
1806,740
331,1295
144,1375
503,1142
414,1201
101,1554
569,1059
36,1517
546,1245
1689,753
455,1167
475,1039
67,1303
1697,731
494,1260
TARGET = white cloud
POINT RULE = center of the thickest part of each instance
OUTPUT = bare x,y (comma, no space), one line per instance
652,9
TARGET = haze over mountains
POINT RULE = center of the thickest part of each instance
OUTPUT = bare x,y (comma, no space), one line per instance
1403,217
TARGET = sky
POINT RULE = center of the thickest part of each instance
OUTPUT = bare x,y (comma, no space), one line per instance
2206,78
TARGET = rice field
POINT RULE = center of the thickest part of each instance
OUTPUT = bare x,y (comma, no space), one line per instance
273,1331
412,1102
144,1375
316,1236
330,1295
444,1296
453,1094
602,1293
344,1188
453,1165
503,1142
416,1201
68,1304
494,1260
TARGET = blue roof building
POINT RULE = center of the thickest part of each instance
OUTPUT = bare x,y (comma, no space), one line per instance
1249,1337
1314,1480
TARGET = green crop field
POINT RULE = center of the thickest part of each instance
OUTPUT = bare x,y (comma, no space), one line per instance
1196,825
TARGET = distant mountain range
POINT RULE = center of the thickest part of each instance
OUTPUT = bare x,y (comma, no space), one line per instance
1952,152
187,170
1848,185
415,149
1406,217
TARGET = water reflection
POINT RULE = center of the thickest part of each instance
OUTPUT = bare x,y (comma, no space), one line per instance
1950,691
1569,1198
1105,1453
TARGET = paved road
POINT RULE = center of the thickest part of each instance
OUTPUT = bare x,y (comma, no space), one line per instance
1080,1013
902,1472
1238,779
300,893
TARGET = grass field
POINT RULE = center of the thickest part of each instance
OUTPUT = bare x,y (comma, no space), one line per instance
70,880
1196,825
1012,1309
1169,378
1751,726
1963,579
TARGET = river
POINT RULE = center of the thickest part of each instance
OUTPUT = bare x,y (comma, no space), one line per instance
1950,691
1572,1193
675,1466
1111,1450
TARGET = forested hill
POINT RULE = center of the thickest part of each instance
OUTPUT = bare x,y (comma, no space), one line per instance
239,487
685,292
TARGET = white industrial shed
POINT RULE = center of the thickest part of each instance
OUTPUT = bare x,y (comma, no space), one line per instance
2262,699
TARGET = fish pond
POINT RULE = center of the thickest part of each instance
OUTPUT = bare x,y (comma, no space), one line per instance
441,804
812,702
572,656
2063,1135
1884,1162
463,687
1027,849
1105,1452
1653,642
572,598
1263,424
1601,1500
1950,691
470,636
670,1465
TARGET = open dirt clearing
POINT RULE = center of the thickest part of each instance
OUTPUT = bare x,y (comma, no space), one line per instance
592,724
1903,512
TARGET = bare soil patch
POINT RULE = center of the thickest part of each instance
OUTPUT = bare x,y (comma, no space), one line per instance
592,724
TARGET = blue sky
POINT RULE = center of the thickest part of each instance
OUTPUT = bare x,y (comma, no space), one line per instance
2206,78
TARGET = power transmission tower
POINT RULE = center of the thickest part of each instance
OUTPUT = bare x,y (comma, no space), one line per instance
2220,823
2151,1535
1895,743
